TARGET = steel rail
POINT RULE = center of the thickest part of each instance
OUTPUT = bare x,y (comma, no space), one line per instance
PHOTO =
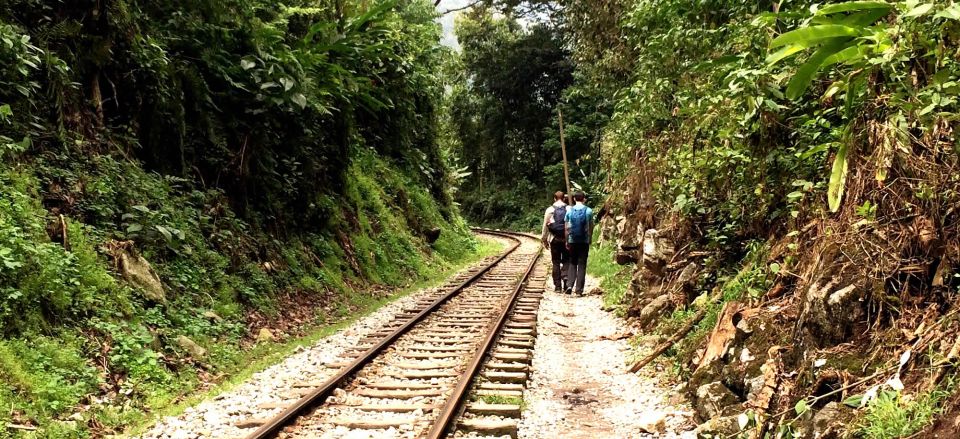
284,418
460,393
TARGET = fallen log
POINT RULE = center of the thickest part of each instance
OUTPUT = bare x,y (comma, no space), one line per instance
679,335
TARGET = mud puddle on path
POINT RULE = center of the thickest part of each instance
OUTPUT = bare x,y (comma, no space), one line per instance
580,386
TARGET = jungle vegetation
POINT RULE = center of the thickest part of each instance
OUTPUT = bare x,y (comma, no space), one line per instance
784,147
257,153
245,155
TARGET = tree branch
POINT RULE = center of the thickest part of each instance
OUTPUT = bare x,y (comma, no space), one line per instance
468,6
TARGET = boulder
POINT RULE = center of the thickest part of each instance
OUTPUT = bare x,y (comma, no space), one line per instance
608,228
656,253
265,335
196,351
712,399
653,309
655,247
653,422
833,310
621,224
688,274
212,316
754,386
138,272
720,427
432,235
626,257
687,281
829,421
629,234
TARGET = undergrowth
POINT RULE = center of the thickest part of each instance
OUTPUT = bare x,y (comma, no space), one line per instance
752,280
894,415
614,278
82,347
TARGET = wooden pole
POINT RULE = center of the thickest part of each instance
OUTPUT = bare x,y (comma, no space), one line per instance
566,169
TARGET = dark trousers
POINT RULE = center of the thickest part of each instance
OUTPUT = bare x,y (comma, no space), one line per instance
577,267
560,257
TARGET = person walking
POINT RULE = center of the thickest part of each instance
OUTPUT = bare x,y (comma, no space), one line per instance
579,230
553,237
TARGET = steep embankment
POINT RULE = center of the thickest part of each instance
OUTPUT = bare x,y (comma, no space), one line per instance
784,191
178,177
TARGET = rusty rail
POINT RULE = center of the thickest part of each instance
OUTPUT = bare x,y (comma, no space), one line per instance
272,427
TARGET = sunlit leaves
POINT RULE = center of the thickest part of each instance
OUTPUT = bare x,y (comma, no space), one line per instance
919,10
951,12
784,52
813,35
853,6
837,37
804,75
838,177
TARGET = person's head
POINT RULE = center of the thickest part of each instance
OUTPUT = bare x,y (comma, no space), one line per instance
579,196
558,195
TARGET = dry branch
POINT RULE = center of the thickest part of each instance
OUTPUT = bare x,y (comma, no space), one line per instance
461,8
679,335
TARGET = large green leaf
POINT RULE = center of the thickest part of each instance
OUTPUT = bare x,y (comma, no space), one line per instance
785,52
804,75
848,55
919,10
813,35
853,6
952,12
838,177
865,18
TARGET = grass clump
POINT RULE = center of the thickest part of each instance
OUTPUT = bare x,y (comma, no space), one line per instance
894,415
614,279
502,400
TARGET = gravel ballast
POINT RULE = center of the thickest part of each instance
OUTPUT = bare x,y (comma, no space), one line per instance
265,393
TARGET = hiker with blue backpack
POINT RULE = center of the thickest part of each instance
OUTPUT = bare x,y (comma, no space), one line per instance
579,230
554,239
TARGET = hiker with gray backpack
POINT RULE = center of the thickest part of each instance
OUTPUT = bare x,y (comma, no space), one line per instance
579,230
554,239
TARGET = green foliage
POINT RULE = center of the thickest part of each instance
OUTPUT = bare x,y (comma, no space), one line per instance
44,376
892,415
39,276
614,279
250,151
131,354
753,278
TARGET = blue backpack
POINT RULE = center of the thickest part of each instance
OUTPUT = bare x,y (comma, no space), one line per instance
578,225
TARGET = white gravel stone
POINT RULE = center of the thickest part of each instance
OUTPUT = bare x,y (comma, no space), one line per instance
216,417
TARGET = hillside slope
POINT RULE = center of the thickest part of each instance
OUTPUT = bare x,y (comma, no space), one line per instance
176,176
785,200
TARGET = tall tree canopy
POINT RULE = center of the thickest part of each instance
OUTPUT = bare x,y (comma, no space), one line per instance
512,79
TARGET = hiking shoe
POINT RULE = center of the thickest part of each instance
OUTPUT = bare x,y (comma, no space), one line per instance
558,290
568,291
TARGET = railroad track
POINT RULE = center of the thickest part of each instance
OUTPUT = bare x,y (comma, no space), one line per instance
454,365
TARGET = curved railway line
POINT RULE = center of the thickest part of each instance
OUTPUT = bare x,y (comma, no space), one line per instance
453,366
